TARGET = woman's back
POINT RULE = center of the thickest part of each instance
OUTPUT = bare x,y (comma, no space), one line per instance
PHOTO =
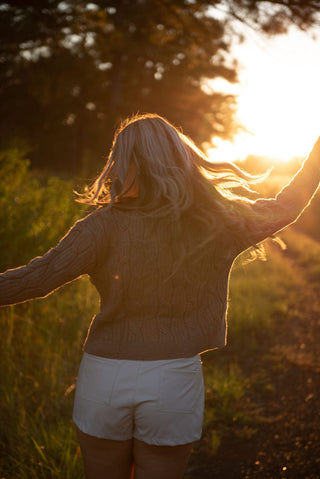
153,304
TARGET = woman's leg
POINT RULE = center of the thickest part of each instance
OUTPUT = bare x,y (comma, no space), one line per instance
104,458
160,462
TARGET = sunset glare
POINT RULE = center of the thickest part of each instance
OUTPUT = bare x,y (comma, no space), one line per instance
278,97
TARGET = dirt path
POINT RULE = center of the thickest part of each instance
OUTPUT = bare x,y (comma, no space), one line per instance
287,418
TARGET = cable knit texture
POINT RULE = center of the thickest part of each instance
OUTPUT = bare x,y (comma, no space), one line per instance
148,311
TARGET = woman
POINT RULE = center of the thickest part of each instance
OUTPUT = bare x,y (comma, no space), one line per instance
159,250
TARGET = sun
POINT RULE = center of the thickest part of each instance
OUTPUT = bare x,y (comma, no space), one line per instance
278,99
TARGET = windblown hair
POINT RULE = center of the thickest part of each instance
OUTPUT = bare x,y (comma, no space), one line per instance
175,178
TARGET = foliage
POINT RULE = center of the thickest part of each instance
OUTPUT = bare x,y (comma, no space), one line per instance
274,16
80,68
72,69
35,212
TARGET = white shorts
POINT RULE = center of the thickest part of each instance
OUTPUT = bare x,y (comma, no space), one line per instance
158,402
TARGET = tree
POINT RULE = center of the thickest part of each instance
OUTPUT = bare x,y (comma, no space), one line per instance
274,17
72,69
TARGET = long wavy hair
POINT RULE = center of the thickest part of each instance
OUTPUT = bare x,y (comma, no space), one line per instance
176,180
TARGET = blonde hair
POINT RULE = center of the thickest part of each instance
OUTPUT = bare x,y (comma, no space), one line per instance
175,177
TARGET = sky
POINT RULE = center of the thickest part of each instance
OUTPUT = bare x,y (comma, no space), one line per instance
278,96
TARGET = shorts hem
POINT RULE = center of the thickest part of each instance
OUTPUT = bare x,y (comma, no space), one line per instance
86,430
169,442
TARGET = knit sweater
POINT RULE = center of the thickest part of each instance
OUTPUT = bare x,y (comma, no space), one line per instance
147,311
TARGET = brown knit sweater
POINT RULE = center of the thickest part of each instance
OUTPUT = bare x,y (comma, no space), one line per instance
146,312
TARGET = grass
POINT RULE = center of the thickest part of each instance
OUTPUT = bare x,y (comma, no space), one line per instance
306,253
40,357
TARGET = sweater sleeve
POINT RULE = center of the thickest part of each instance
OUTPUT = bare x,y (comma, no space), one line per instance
268,216
72,257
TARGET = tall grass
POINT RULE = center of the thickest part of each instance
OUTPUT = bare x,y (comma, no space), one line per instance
41,341
39,360
306,252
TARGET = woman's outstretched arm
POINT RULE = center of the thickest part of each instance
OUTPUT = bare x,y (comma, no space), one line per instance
72,257
268,216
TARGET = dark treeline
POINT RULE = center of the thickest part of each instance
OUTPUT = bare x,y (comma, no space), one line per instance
70,70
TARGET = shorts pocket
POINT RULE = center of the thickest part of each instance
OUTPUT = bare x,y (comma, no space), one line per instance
96,379
180,390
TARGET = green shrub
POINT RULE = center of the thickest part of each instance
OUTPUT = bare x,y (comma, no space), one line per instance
35,212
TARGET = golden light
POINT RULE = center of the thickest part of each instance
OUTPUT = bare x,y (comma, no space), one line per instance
278,98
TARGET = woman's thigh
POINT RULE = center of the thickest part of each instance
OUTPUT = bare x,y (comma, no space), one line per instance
160,462
105,458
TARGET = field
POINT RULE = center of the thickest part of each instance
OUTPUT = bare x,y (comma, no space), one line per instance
262,402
